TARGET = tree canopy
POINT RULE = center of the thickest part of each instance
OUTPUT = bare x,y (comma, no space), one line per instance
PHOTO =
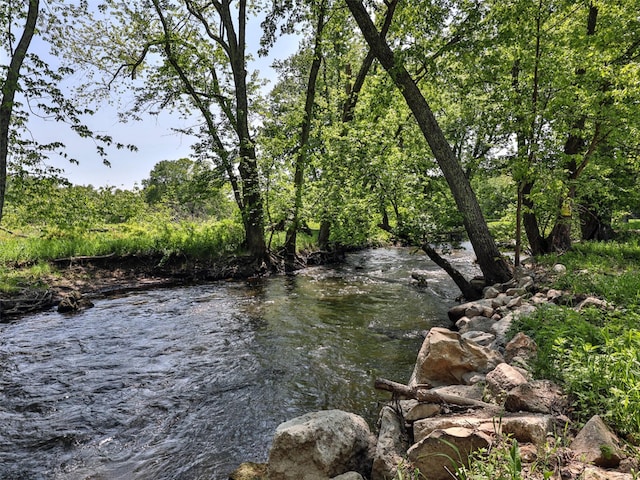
409,118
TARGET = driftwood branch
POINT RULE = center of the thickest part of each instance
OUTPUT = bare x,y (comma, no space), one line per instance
424,393
86,258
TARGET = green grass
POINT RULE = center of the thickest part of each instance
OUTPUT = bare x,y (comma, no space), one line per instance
24,257
595,354
195,240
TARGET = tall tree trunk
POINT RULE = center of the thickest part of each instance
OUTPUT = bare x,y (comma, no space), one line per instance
253,212
9,88
491,262
303,146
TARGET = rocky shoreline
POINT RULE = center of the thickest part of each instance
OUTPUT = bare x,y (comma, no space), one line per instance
470,391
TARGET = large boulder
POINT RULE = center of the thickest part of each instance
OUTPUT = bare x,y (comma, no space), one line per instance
539,396
446,358
502,379
526,428
321,445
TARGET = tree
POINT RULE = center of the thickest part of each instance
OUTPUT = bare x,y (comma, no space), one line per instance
188,56
32,81
305,130
10,86
188,187
490,261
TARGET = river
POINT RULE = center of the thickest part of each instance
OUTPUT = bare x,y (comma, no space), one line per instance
187,383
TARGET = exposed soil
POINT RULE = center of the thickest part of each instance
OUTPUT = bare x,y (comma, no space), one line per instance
86,278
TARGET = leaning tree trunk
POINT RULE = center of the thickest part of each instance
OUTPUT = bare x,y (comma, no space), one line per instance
491,262
9,89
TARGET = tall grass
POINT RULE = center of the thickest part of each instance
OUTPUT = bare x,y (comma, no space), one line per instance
200,240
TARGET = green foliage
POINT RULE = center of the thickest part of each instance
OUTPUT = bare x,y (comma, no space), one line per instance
190,189
595,353
196,240
499,462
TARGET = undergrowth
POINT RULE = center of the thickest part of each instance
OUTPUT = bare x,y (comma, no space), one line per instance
594,353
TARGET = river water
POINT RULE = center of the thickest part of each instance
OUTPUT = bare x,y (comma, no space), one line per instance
187,383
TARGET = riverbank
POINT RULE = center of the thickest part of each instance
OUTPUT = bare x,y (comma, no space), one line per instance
92,277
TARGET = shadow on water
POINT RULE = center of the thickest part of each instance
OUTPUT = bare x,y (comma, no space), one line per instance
189,382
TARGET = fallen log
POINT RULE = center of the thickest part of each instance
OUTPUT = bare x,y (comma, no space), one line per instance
425,394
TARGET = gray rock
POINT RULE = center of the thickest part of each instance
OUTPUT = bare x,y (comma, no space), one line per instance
481,338
477,323
434,455
502,379
349,476
392,445
596,444
321,445
540,396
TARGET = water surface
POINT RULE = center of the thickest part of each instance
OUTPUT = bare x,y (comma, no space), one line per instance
187,383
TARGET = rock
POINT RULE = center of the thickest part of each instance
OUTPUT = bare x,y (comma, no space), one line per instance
539,299
540,396
516,292
491,292
526,428
472,391
420,278
595,473
422,410
521,346
73,302
500,301
392,445
462,323
250,471
528,452
559,268
478,307
596,444
501,328
434,456
321,445
553,295
514,303
502,379
445,357
479,337
477,323
531,428
349,476
526,282
593,302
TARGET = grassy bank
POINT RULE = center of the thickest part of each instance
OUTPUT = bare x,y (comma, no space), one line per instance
25,256
595,353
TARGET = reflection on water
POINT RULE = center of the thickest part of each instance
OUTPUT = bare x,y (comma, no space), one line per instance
187,383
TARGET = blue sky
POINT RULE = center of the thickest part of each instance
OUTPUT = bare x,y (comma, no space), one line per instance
154,136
